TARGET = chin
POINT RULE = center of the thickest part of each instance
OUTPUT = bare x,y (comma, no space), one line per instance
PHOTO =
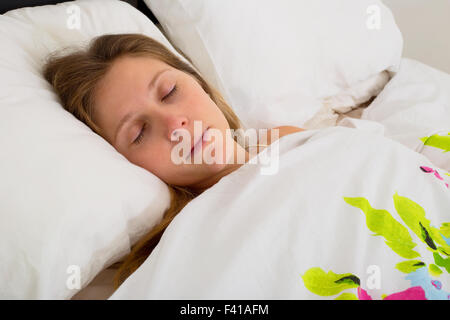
219,161
215,167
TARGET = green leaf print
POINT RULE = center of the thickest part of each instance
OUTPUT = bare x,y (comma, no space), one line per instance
414,217
437,141
441,262
347,296
434,270
445,229
328,284
383,224
409,266
398,238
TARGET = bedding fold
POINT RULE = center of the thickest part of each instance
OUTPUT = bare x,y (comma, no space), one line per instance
414,109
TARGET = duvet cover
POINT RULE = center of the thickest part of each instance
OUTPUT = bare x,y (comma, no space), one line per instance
332,213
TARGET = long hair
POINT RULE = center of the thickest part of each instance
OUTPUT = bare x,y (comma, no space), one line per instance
75,77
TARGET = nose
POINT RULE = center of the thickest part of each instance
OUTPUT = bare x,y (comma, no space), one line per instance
175,124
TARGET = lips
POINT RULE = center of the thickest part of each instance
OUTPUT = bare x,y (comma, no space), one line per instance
199,142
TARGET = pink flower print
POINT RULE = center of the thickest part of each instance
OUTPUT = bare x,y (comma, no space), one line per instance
426,169
413,293
437,284
363,295
436,173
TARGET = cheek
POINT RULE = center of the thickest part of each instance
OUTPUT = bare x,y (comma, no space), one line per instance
196,98
205,107
153,160
194,104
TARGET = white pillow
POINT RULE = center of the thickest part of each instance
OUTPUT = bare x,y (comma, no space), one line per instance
69,201
276,62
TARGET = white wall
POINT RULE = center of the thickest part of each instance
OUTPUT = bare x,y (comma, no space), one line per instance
425,25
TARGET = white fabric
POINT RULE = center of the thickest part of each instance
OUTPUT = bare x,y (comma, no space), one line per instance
253,236
67,197
277,62
415,104
347,100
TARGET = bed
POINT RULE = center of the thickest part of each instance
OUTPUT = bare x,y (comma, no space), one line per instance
355,207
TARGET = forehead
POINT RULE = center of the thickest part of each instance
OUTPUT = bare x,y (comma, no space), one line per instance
125,83
126,69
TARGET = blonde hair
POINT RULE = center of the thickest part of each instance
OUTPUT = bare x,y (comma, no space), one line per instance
75,77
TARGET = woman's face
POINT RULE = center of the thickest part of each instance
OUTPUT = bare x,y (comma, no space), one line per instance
138,110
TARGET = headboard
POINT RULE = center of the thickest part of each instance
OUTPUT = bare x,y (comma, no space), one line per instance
6,5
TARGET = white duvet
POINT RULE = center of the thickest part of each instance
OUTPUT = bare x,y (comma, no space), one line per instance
414,109
349,214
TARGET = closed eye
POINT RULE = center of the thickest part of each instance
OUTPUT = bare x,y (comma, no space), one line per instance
140,136
172,92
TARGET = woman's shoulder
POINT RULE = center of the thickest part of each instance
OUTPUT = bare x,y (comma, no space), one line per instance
281,131
272,135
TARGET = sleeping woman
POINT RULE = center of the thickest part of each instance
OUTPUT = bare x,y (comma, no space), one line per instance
140,97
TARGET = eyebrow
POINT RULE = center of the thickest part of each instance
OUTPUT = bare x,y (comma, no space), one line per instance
129,115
